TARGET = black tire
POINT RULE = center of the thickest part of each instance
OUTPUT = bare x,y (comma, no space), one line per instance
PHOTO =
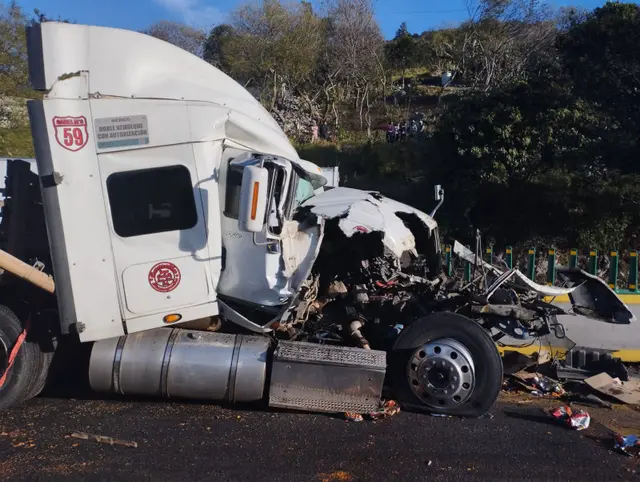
23,373
478,343
42,374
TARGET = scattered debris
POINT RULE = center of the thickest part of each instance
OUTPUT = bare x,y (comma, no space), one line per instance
103,439
539,385
388,408
542,357
439,415
627,444
588,400
548,386
510,385
626,392
514,361
353,417
429,463
339,475
578,419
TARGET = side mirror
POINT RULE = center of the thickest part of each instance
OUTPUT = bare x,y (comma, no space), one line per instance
438,192
253,198
439,196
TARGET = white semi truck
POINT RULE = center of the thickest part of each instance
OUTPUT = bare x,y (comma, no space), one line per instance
198,256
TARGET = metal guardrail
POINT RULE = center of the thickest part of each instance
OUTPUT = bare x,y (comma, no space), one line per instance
627,286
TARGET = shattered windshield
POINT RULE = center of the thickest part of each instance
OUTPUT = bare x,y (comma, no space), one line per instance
304,191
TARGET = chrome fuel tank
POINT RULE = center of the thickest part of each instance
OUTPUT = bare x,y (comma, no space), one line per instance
179,363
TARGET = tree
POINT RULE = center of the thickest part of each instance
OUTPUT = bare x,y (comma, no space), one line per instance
216,47
13,52
403,31
442,49
276,47
602,56
187,38
503,41
569,17
529,162
354,56
402,51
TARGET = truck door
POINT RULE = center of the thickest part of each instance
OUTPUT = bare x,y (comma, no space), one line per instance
253,271
159,236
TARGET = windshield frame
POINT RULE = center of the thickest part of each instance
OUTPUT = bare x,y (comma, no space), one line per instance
291,195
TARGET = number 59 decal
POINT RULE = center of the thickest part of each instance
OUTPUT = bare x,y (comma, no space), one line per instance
71,132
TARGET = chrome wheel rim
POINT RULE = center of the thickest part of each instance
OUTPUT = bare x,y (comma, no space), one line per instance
442,373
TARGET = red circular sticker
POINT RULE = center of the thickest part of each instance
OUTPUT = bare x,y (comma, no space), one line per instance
164,277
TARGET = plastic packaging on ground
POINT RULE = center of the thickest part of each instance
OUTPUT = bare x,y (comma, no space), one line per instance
576,419
546,385
627,444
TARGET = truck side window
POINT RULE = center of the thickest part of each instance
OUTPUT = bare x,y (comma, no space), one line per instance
149,201
232,191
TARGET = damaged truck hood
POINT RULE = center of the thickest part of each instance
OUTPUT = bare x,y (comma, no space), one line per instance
367,211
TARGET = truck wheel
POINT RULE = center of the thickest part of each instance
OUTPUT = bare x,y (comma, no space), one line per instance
22,374
41,375
446,363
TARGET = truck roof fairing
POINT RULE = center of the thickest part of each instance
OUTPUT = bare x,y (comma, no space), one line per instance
130,65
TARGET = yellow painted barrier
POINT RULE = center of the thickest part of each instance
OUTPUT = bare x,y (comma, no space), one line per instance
627,355
630,299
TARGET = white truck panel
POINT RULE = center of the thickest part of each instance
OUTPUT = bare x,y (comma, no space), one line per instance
187,249
207,156
142,298
77,224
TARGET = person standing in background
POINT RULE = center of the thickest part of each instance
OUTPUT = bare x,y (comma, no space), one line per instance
391,132
324,131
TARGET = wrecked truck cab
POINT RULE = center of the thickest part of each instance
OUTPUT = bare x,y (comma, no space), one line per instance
374,273
364,212
207,261
402,230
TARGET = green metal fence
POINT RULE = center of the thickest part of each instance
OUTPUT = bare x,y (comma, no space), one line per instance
590,262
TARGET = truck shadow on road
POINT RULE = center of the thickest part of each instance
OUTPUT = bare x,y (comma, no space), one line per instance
531,415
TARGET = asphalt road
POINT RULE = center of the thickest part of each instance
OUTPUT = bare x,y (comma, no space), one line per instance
181,442
178,441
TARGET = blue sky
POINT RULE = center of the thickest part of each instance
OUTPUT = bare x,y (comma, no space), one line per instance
137,14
